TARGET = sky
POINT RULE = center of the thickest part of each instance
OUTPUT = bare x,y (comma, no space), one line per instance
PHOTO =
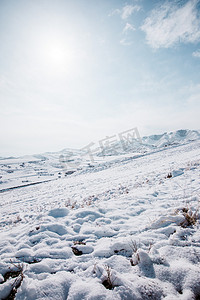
74,72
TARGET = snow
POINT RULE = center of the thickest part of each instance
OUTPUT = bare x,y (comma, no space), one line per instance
113,231
59,212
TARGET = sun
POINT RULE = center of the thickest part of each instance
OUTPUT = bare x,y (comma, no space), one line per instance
56,54
54,51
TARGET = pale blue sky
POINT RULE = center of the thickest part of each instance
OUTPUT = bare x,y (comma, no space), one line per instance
73,72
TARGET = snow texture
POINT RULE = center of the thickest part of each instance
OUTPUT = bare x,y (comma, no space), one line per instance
114,231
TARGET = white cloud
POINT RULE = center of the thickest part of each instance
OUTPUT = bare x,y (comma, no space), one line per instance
128,27
128,10
125,13
171,23
125,42
115,12
196,53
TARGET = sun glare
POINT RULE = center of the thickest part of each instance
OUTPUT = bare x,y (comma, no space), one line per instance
56,54
54,51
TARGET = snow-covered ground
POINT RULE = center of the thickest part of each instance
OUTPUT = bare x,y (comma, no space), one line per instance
121,229
34,169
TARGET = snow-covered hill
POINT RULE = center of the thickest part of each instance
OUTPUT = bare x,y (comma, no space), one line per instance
173,138
125,228
49,166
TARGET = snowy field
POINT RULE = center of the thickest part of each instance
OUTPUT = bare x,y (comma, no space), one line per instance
127,228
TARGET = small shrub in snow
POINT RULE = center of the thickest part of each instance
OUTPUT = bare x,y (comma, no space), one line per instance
134,246
88,201
106,275
123,189
169,175
135,257
18,274
76,251
79,243
190,217
71,204
108,281
17,220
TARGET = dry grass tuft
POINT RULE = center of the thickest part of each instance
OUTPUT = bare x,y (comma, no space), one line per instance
108,281
135,260
18,273
191,218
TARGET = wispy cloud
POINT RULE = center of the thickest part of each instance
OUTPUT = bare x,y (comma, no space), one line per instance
128,27
116,11
126,11
196,53
171,23
126,42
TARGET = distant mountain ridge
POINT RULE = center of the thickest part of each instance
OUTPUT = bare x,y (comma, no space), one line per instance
150,142
172,138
